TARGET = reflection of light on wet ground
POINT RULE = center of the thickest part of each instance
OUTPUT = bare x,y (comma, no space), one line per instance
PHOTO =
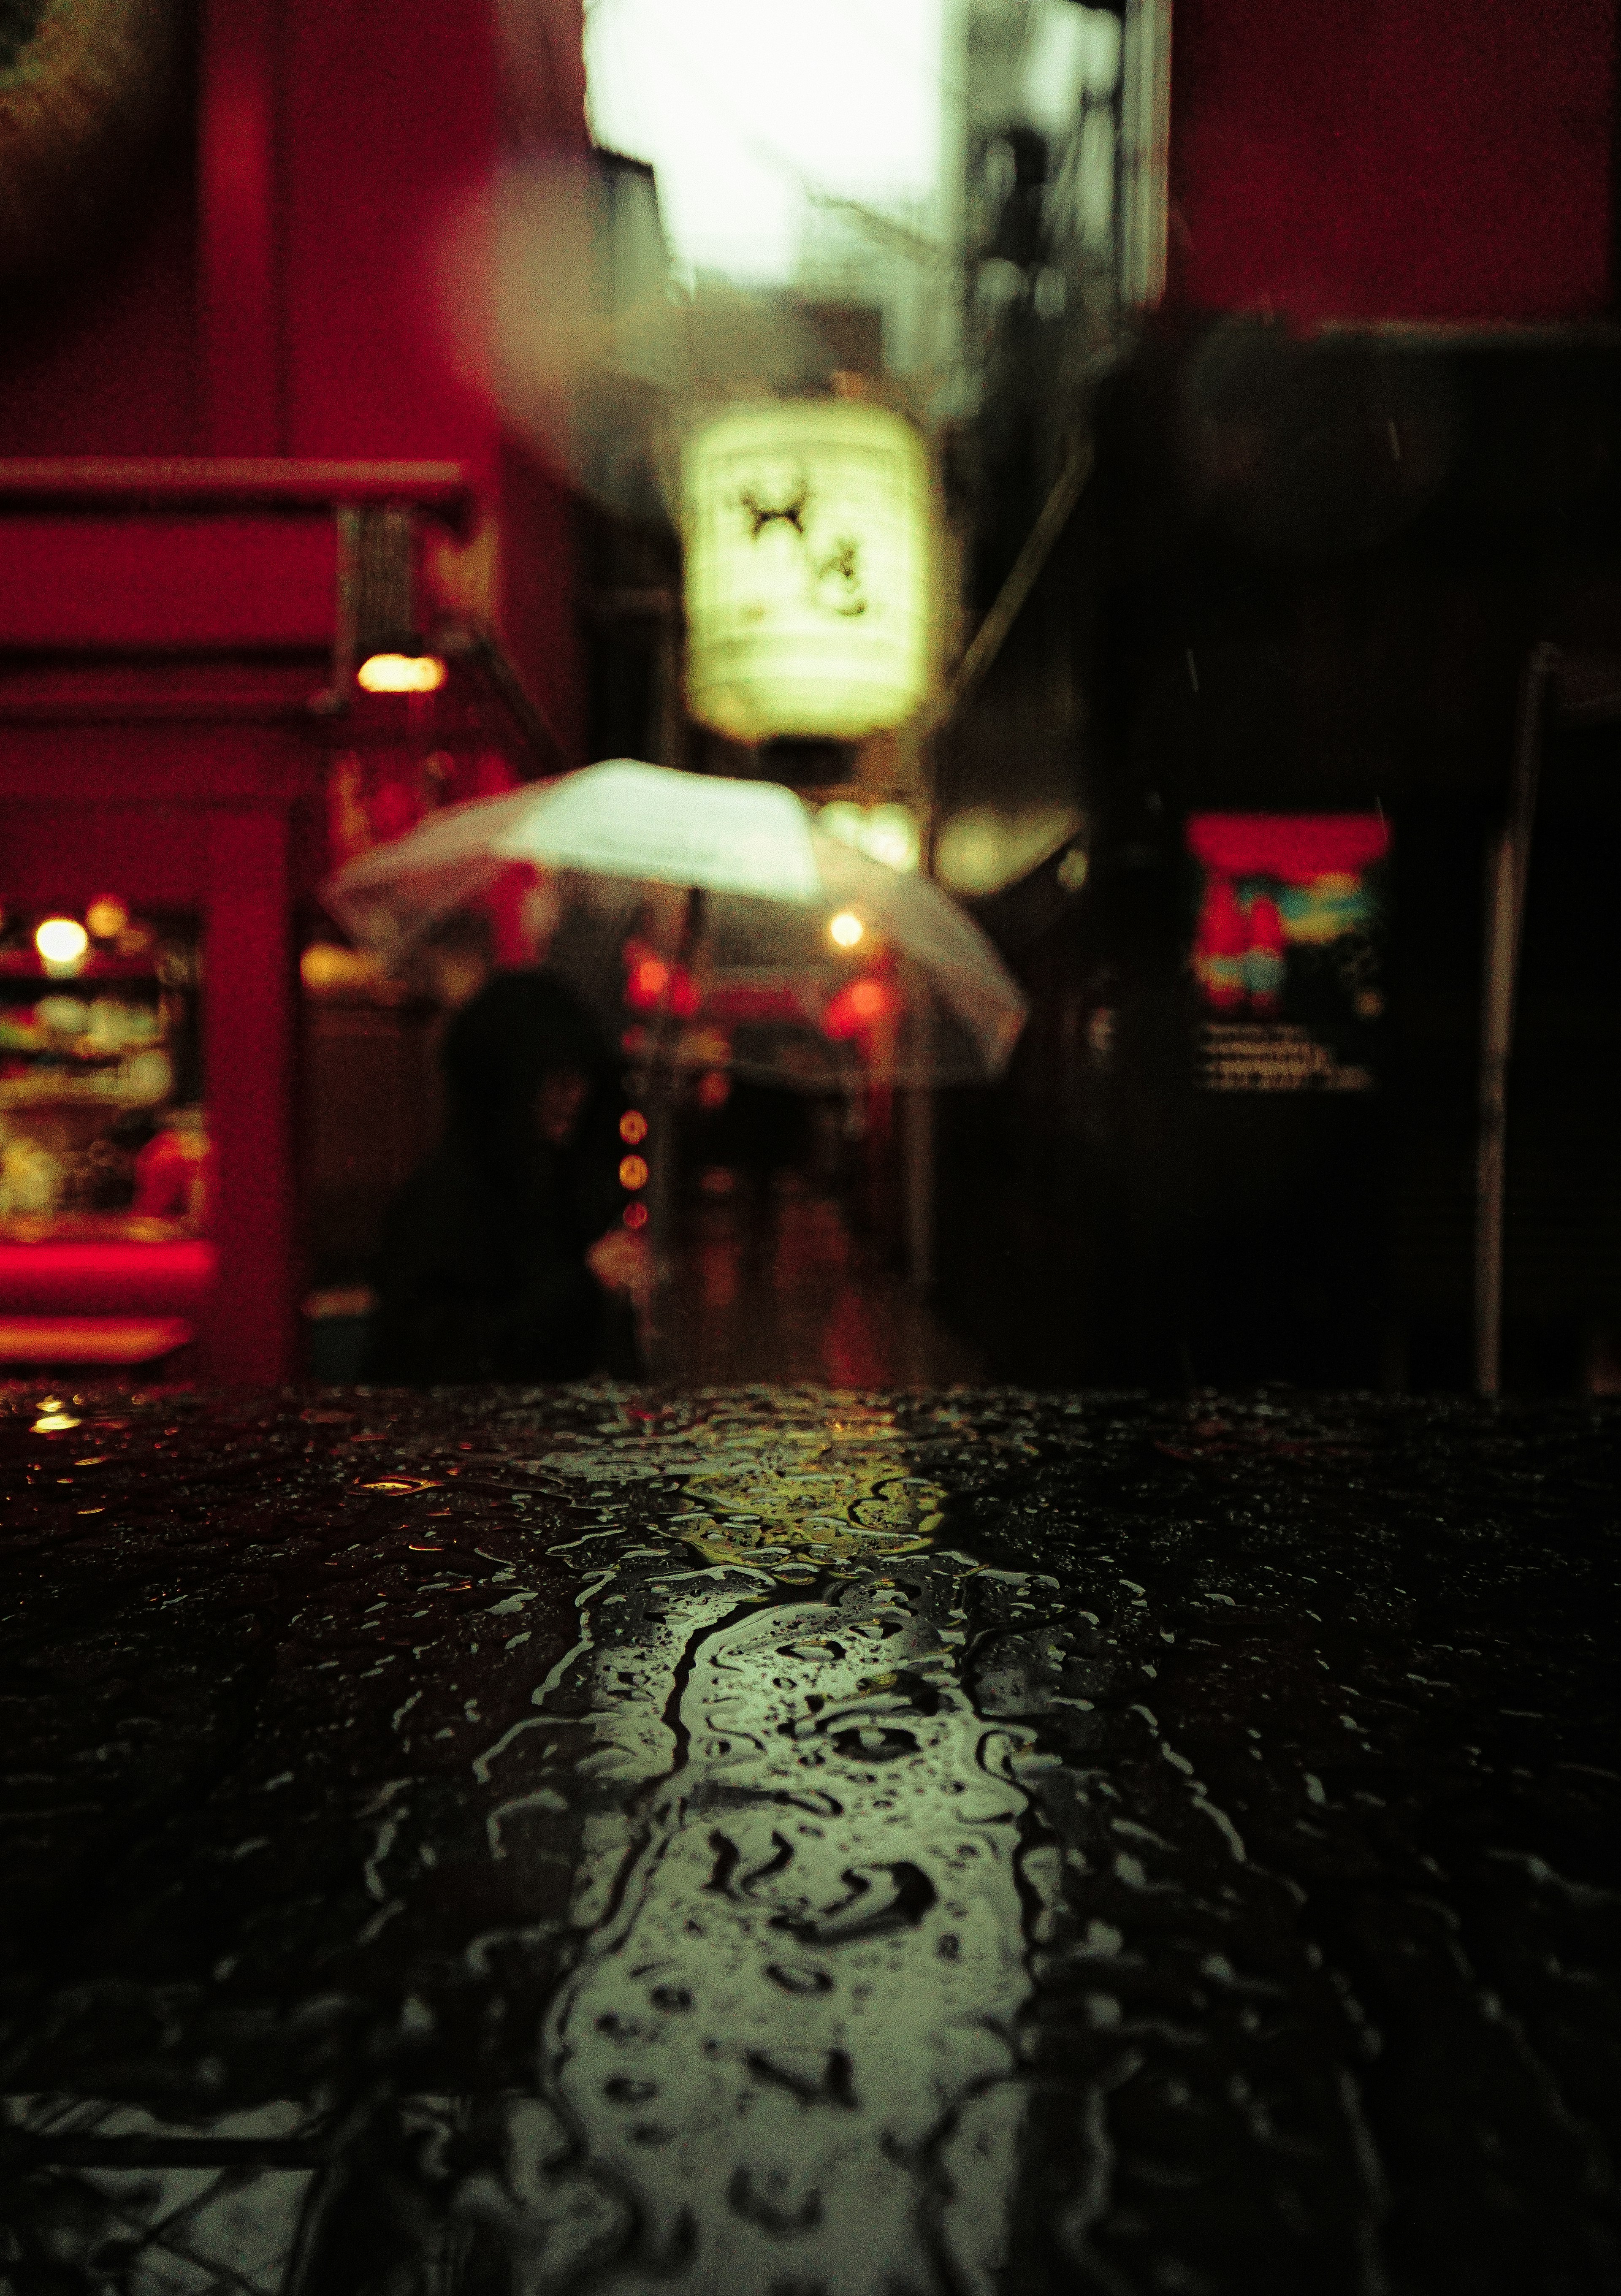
795,1297
788,2043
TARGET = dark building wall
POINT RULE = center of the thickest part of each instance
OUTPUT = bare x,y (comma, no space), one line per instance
101,355
1307,575
1271,621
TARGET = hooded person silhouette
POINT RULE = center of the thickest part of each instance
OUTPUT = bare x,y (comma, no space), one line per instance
502,1258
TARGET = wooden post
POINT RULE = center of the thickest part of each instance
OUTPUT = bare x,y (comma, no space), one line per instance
1508,864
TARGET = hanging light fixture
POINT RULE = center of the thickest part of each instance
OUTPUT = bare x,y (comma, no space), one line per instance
377,564
808,570
401,673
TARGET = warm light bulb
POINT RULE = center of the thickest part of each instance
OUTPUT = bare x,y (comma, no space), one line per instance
107,917
846,929
63,943
402,672
633,1128
633,1171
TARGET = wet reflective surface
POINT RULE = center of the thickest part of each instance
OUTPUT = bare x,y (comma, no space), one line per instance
778,1842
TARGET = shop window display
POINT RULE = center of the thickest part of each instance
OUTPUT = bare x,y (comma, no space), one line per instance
103,1129
1288,950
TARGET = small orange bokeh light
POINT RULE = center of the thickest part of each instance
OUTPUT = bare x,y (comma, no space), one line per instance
633,1128
106,918
633,1171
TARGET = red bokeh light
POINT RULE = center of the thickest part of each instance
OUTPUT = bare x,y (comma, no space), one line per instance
652,986
859,1006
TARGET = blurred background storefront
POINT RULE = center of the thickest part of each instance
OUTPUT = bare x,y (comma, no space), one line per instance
1267,368
1269,364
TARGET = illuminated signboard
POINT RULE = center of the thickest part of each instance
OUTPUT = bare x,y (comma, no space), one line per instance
1288,949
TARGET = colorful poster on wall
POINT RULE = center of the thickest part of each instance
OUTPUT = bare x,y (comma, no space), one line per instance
1289,950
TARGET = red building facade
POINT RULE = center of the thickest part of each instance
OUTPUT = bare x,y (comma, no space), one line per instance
220,401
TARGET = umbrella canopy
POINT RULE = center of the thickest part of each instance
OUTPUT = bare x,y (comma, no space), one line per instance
800,960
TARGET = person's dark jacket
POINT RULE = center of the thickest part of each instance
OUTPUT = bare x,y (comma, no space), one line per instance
481,1273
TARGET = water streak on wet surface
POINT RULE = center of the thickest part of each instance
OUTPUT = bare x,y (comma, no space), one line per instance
785,1841
795,2021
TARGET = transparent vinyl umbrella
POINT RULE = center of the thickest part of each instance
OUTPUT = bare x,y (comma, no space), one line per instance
710,924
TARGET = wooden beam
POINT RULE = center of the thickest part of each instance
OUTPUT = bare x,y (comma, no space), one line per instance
83,484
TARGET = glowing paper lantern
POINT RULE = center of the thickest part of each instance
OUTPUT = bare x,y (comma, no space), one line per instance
808,533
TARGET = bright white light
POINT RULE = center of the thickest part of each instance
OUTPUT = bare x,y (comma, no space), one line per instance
62,942
845,822
846,929
745,109
1055,63
883,832
402,672
891,836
